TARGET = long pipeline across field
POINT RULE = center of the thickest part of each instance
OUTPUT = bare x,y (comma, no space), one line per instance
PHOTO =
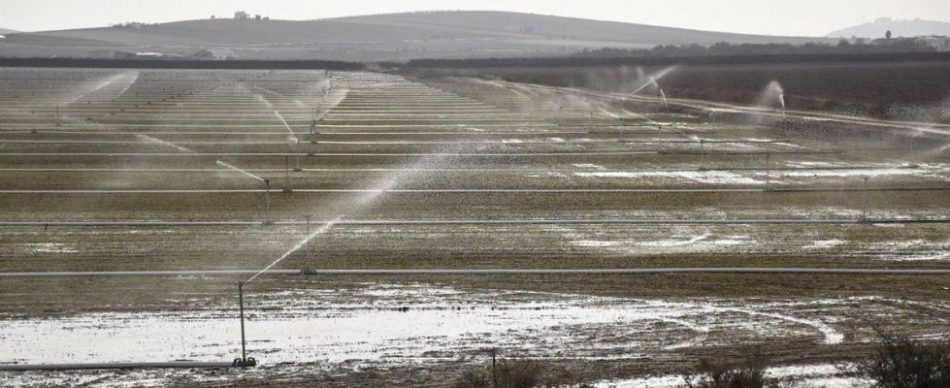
840,221
116,365
481,191
528,271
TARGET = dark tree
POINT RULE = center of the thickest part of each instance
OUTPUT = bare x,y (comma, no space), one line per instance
887,35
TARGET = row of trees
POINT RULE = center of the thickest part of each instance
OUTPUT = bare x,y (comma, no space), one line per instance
844,46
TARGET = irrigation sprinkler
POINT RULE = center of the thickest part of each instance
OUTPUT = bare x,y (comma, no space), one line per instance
784,124
623,110
768,169
702,153
267,220
244,361
494,366
864,212
289,188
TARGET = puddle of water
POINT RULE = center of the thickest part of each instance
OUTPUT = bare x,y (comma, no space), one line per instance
804,376
402,324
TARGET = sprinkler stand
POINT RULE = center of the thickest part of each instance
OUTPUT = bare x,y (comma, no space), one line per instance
244,361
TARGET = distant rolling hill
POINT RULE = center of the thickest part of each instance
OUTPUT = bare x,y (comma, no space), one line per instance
4,31
449,34
906,28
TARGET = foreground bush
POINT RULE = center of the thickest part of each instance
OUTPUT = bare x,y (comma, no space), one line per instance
901,362
511,374
506,374
750,374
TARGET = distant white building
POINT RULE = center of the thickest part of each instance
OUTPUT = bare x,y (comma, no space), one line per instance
2,38
212,55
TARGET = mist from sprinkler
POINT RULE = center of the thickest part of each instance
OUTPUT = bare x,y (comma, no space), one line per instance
132,82
149,139
94,87
280,117
773,96
240,171
366,199
651,81
257,178
775,88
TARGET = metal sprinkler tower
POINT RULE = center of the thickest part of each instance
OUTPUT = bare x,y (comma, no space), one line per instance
267,219
244,361
864,213
784,122
623,111
702,153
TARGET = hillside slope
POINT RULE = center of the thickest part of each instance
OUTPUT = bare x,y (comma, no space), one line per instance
907,28
459,34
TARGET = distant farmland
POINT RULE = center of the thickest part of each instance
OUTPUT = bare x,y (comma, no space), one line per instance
910,90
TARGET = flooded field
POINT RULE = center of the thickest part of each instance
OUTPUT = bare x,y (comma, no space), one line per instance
191,170
416,324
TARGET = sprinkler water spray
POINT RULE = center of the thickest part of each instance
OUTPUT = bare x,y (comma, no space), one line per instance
775,94
651,80
266,182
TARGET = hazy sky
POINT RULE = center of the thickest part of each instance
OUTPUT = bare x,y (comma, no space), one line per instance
791,17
